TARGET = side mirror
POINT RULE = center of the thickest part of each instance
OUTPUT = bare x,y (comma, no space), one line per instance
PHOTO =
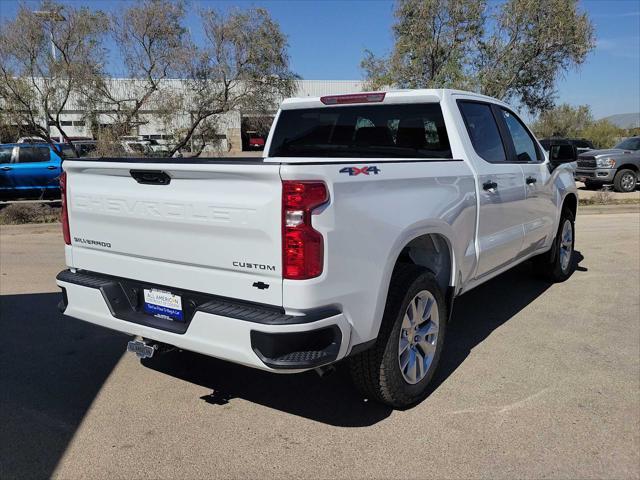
559,154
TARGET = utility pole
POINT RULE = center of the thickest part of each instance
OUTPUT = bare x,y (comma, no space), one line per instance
52,16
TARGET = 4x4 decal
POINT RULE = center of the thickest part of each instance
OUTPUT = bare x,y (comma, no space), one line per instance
366,170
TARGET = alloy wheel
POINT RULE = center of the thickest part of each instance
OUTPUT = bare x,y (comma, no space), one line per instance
566,245
628,182
418,337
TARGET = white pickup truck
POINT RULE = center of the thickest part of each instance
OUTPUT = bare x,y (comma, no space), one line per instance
367,216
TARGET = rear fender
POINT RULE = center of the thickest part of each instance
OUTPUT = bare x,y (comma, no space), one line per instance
442,229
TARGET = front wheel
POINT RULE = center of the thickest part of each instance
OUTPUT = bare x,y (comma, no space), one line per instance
557,264
625,181
398,368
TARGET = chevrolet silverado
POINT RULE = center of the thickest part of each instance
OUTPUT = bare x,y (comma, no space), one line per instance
368,215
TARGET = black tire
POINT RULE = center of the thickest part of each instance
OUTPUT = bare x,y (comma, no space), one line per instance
625,181
549,265
591,185
376,371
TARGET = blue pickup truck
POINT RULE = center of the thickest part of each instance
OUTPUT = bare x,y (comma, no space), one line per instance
31,169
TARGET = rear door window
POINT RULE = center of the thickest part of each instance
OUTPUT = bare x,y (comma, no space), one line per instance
33,154
523,142
5,154
483,131
370,131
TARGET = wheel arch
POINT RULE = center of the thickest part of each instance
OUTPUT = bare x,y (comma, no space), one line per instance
627,166
431,248
570,202
432,251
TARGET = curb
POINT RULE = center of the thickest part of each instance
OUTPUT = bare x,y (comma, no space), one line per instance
608,209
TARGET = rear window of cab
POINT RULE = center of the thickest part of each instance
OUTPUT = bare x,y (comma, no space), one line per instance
369,131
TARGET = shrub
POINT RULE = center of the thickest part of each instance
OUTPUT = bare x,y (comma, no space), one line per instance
16,214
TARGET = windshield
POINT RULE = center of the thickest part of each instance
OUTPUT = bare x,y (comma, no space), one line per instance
370,131
632,143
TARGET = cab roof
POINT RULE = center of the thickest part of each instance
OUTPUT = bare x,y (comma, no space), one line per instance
394,96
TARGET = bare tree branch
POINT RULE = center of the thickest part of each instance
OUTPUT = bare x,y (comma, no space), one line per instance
38,85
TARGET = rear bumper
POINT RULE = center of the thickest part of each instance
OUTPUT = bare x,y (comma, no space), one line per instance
258,336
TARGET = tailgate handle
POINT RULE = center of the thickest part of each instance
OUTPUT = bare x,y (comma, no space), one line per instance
150,177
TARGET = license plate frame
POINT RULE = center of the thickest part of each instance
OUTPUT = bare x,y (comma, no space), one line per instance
163,304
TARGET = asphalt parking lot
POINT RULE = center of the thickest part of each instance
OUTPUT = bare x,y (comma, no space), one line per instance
537,381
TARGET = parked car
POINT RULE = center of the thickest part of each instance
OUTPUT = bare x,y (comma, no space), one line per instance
65,150
136,147
368,216
581,144
158,148
619,166
31,169
59,139
31,140
255,141
85,147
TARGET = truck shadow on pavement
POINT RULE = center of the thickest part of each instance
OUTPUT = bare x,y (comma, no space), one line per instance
332,399
51,369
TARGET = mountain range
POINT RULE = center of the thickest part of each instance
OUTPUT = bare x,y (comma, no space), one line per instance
625,120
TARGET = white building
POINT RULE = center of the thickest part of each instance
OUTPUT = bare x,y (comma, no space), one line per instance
151,124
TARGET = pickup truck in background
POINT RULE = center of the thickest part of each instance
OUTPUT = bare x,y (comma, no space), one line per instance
30,170
582,144
351,238
619,166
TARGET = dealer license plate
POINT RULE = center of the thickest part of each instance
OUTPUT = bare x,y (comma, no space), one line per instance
163,305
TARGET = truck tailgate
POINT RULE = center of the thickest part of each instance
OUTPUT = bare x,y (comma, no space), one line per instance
214,228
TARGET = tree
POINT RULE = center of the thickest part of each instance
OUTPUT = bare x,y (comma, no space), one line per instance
602,133
534,41
152,44
563,121
514,50
47,59
242,65
576,122
434,43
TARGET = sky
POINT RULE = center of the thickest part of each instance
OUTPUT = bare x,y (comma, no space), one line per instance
327,39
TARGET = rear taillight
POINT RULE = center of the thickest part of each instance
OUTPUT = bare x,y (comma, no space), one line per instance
302,246
64,216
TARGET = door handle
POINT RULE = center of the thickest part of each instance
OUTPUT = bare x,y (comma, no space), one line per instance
6,168
490,186
51,167
531,180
